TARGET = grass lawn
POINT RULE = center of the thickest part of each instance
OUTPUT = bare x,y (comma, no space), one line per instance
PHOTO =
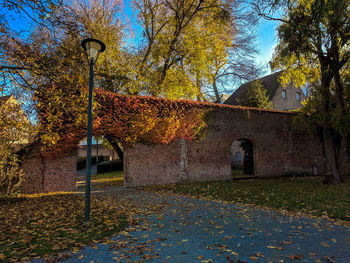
236,172
115,178
37,225
305,195
109,175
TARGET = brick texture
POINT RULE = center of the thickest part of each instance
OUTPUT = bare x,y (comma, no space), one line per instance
279,149
48,175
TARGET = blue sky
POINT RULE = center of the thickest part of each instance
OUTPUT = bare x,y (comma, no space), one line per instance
266,34
267,40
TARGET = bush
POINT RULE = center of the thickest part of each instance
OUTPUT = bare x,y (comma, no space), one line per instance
110,166
81,161
11,174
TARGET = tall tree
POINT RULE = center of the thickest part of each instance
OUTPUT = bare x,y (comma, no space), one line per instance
314,45
255,96
193,44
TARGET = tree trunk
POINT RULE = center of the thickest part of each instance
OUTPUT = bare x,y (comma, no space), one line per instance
344,157
216,91
332,173
342,152
116,147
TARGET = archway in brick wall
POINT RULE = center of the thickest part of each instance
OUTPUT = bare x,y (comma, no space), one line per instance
106,162
169,141
242,159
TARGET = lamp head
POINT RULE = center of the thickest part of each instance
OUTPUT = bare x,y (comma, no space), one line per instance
93,48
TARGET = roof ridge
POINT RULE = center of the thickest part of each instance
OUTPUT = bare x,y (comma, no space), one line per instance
269,83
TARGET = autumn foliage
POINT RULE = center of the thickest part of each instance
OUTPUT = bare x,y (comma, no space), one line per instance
124,118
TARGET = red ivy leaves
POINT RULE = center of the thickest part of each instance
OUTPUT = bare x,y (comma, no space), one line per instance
126,118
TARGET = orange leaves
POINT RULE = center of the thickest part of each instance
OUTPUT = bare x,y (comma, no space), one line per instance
41,224
125,118
132,118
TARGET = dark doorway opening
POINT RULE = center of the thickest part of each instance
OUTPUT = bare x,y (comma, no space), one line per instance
242,158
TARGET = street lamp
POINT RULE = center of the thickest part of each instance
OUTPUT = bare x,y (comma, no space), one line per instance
93,48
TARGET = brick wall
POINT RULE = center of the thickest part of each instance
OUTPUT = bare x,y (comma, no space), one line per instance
48,175
279,149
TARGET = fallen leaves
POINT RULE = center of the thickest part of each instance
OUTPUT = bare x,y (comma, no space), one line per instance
273,247
294,257
45,224
313,198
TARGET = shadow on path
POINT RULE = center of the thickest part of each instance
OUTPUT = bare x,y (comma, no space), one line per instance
192,230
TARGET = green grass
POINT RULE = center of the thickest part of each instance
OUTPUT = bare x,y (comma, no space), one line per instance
115,178
236,172
37,225
114,174
305,195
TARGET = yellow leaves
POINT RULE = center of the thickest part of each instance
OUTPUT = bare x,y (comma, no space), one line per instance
56,221
270,247
325,244
273,247
124,233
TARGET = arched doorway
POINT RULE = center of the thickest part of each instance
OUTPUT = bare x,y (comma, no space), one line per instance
106,165
242,158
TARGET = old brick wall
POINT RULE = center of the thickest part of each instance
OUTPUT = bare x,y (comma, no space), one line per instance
48,175
279,149
144,163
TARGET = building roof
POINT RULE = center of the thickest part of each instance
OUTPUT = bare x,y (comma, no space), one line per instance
3,99
270,83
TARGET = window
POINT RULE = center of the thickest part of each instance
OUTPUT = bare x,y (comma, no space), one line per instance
238,157
284,94
298,96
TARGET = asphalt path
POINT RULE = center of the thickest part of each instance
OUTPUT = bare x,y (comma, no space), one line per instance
193,230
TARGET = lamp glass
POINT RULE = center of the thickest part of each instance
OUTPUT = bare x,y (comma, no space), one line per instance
93,50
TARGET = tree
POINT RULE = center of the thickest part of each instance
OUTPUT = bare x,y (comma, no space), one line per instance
255,96
15,132
186,52
192,47
314,46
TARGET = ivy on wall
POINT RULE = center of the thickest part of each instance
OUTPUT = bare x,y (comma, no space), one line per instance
126,118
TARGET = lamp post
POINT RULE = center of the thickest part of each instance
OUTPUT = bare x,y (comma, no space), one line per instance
93,48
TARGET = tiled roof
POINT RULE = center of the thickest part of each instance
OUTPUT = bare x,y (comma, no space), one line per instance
269,83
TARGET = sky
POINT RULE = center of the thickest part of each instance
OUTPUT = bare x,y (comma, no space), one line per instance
266,37
266,34
267,40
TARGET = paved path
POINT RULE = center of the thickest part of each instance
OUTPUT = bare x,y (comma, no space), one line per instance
83,171
191,230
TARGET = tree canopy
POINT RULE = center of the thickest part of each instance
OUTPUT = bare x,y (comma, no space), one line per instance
189,49
314,47
255,96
